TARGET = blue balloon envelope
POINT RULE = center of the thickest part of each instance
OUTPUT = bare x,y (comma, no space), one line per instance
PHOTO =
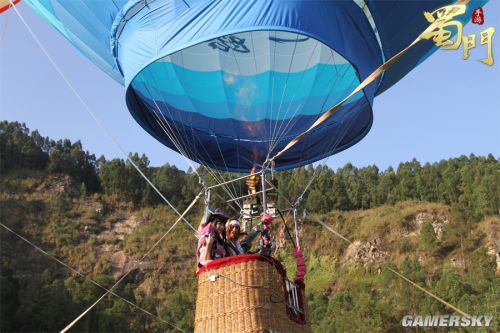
229,83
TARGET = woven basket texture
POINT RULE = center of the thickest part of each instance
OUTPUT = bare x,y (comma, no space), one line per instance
246,297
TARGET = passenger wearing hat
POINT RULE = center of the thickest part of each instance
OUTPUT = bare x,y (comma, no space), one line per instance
211,239
232,235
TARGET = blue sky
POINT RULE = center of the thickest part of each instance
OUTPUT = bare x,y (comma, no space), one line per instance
444,108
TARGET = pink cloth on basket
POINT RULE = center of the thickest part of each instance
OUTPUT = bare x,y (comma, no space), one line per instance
301,265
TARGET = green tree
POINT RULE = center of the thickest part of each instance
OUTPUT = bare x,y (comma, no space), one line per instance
9,300
19,149
71,159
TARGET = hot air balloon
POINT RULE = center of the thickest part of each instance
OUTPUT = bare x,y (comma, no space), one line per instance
229,84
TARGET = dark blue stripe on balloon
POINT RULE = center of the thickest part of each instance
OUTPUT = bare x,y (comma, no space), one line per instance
230,153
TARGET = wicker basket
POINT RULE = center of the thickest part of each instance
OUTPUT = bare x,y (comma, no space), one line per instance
245,293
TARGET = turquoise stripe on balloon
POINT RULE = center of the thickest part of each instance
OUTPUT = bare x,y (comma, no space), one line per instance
80,33
44,9
237,96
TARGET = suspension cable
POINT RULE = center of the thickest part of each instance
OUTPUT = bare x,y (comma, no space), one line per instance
175,138
87,278
346,129
274,133
301,107
369,79
333,231
220,182
454,308
286,227
316,171
282,130
91,113
175,135
163,123
130,270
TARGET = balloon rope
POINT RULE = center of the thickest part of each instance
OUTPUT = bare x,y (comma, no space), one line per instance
361,86
163,123
290,124
429,293
99,124
176,140
87,278
334,145
281,131
131,269
454,308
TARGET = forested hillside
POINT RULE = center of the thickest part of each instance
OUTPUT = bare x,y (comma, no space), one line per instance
436,223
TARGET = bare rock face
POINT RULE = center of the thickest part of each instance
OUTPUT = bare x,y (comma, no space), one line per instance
125,227
367,252
119,262
438,222
59,185
495,251
493,242
422,259
458,262
96,206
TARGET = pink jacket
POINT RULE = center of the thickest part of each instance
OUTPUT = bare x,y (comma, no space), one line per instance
203,231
